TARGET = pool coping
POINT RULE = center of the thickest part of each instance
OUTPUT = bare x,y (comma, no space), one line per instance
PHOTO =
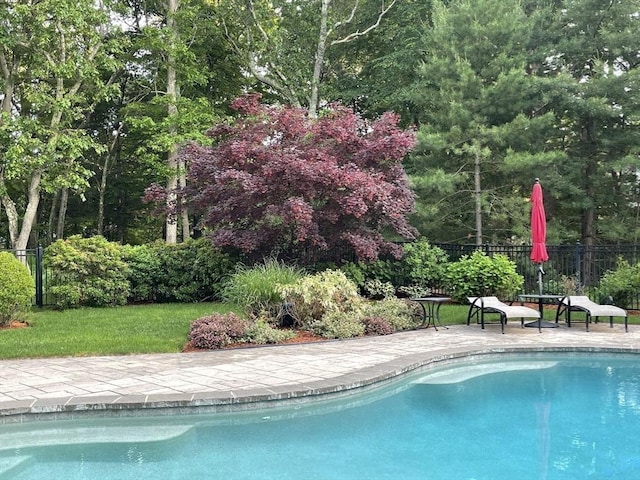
262,397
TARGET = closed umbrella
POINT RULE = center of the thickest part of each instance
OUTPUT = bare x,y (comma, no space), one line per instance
539,249
538,231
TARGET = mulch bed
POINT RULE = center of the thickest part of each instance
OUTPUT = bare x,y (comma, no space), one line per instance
15,324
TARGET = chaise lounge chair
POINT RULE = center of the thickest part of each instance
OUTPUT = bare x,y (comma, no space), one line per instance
481,305
581,303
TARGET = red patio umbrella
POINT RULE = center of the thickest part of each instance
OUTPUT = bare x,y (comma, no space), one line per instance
539,250
538,230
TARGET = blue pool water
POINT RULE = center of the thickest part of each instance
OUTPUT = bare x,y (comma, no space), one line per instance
563,417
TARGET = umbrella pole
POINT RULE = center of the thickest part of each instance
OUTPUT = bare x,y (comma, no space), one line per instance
540,274
540,323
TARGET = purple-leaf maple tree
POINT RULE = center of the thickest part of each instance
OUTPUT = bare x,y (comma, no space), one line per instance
278,180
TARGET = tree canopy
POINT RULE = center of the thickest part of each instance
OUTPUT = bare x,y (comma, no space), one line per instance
506,91
96,98
276,179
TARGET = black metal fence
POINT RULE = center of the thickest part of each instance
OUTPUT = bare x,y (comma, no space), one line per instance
569,266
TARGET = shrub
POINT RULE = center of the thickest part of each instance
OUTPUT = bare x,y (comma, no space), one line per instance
87,272
399,314
258,289
377,289
191,271
479,275
421,268
338,324
376,326
355,271
570,284
412,291
621,284
261,332
380,272
423,265
145,271
317,295
16,289
217,330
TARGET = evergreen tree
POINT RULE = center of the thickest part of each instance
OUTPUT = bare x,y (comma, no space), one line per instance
593,82
479,113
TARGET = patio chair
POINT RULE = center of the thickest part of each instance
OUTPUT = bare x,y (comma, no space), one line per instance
582,303
482,305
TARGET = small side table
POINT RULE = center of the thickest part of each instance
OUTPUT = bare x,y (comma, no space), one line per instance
431,310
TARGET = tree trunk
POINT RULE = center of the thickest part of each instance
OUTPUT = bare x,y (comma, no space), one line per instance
111,157
62,212
19,235
319,61
588,138
101,192
53,214
184,211
171,235
172,157
8,73
478,199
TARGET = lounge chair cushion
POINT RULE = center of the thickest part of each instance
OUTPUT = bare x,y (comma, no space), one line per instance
509,311
481,305
584,303
591,309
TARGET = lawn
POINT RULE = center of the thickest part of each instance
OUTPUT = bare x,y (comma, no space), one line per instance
104,331
161,328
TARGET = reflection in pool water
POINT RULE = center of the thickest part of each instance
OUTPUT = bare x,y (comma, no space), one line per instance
526,417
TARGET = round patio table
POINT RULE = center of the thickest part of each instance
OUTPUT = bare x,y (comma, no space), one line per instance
431,310
540,300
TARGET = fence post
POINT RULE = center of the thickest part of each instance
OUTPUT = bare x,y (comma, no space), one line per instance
39,273
578,263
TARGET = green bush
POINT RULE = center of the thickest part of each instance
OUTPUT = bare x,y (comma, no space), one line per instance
145,271
412,291
356,272
478,275
87,272
316,295
16,289
423,265
339,324
380,271
191,271
261,332
258,289
377,289
622,284
421,269
399,314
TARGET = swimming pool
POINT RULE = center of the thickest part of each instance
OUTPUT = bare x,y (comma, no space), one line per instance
526,417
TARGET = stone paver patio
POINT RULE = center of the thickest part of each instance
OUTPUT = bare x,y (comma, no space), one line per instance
247,376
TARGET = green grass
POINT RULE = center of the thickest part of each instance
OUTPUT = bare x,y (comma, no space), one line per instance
134,329
105,331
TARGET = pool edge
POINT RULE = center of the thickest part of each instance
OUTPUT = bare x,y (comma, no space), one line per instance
259,398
